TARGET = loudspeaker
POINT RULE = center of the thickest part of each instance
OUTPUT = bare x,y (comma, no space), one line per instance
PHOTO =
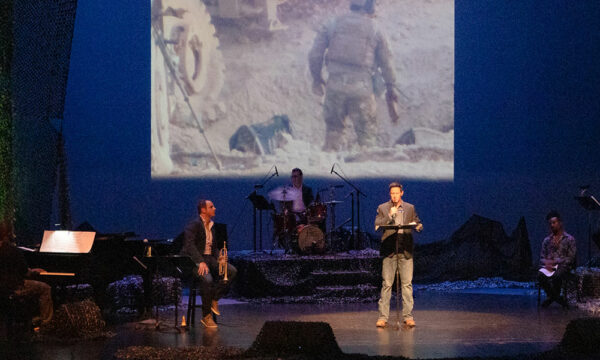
582,336
285,338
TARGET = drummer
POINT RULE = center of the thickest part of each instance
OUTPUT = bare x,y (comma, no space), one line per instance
300,203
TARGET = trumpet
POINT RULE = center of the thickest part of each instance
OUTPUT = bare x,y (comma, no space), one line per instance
223,261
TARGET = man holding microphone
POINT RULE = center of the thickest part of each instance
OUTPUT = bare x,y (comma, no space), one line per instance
397,212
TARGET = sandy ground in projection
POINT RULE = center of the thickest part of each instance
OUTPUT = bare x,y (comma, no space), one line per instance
268,75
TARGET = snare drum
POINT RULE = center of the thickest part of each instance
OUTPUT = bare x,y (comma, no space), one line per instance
311,240
285,222
316,213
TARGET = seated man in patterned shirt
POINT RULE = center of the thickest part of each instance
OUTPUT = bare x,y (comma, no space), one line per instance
557,259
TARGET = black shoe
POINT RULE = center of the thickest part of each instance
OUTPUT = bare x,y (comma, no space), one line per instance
547,302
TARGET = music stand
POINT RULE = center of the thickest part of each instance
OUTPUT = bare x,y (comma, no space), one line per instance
170,265
396,228
590,204
261,204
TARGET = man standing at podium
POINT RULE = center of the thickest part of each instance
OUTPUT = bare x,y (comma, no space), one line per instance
397,253
203,241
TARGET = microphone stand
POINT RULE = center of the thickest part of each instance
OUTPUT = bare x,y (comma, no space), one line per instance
259,202
358,192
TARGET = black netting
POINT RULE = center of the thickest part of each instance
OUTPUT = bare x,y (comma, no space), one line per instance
43,31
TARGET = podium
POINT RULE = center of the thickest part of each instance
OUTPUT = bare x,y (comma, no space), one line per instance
590,204
397,227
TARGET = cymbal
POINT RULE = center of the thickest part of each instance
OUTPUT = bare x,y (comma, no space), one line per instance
284,193
333,202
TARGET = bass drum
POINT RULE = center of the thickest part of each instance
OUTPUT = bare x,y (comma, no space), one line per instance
311,240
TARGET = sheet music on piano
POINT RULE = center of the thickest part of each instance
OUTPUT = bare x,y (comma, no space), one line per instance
65,241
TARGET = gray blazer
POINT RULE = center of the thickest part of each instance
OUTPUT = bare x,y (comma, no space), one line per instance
388,239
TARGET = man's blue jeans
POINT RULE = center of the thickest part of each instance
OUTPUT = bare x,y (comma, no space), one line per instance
388,273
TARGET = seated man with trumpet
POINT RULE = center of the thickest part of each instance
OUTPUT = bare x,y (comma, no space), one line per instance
205,243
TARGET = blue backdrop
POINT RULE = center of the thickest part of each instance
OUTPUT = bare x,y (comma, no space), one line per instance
527,115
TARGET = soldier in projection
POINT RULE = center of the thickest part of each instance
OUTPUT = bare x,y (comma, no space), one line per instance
355,53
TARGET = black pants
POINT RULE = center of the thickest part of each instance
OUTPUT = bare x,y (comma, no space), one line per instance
212,285
552,285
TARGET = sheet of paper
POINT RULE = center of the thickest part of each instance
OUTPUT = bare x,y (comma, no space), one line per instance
547,272
64,241
24,248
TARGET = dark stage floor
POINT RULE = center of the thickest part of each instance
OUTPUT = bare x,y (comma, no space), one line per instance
474,323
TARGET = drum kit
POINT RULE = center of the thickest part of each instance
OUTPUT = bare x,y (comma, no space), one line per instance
301,231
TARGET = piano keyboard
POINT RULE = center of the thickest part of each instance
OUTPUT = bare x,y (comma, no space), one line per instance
47,273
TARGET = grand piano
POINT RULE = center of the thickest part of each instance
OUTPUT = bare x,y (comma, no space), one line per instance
109,258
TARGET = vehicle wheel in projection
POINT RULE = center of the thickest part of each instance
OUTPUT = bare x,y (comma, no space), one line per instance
160,147
199,59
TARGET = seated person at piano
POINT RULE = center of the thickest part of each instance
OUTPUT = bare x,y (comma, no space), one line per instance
557,259
15,276
204,242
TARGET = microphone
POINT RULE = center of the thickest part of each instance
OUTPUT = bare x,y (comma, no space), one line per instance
276,173
332,166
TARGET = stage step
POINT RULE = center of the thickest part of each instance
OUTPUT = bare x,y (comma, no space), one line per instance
328,278
326,264
362,291
344,277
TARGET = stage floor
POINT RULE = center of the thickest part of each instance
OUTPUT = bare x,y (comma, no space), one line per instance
473,323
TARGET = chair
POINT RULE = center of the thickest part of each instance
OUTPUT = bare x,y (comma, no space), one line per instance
570,281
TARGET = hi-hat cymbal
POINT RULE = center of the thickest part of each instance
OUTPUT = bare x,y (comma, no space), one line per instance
284,193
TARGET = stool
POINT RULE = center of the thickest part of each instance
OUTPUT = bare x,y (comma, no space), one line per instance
192,305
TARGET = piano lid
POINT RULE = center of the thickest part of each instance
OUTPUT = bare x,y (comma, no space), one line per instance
69,242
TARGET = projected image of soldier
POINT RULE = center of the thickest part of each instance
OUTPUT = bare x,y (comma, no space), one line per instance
355,52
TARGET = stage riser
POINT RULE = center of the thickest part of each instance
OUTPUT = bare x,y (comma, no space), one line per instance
307,278
588,282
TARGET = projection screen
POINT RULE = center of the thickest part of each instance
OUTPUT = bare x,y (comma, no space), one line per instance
232,90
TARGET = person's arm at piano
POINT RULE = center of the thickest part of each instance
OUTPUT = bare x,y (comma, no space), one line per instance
22,266
34,272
